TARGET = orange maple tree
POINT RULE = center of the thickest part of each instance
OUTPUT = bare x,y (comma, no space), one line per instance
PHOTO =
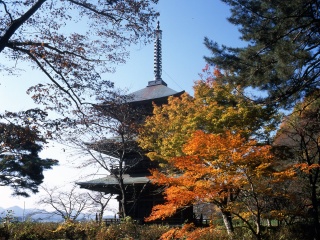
214,169
211,149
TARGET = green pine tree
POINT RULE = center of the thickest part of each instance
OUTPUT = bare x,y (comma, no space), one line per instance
21,168
281,56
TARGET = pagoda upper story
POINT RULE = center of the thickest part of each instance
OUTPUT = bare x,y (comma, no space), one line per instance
156,91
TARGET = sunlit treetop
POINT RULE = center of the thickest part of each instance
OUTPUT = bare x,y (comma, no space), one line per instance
214,108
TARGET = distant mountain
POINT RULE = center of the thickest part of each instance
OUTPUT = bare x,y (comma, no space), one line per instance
18,211
39,215
21,214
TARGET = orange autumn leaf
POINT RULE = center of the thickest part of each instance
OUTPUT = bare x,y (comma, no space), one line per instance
214,166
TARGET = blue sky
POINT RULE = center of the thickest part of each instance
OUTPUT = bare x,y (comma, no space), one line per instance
184,23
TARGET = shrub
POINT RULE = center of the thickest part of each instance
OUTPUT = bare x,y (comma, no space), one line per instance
79,230
29,231
129,229
153,231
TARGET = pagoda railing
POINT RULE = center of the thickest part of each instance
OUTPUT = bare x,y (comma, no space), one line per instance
172,221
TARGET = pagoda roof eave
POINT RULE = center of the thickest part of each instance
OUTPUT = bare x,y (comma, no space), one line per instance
157,93
108,183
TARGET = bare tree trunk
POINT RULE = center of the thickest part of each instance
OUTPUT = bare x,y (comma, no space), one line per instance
123,199
258,230
227,219
269,222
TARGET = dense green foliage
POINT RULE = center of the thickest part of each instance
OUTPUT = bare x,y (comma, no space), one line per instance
282,51
21,168
300,134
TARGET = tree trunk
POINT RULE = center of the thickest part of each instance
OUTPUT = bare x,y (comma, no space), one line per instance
123,202
258,230
258,223
269,222
227,219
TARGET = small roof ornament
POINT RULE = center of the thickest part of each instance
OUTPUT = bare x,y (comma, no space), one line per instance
158,32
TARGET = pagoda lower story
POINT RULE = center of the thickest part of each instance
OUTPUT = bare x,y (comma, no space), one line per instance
141,197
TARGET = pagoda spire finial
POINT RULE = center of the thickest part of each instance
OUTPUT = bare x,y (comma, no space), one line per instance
157,53
157,63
